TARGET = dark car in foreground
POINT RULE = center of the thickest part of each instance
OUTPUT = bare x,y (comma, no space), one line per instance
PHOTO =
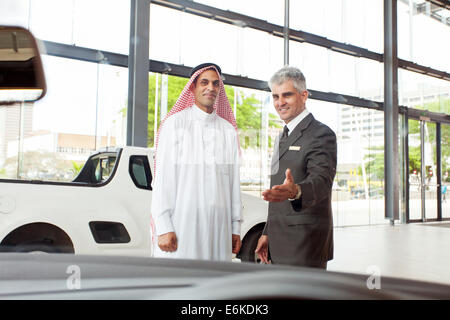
66,276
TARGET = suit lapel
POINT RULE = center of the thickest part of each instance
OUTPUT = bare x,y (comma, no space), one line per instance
296,134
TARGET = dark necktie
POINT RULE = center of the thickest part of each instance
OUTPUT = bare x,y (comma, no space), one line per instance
285,133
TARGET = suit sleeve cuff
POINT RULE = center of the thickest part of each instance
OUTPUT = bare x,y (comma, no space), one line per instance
299,194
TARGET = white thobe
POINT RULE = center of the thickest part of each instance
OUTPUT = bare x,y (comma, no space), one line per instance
196,190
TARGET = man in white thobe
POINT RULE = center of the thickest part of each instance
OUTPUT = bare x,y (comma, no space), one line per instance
196,203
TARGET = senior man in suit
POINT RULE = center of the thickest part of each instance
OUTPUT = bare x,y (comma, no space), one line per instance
299,227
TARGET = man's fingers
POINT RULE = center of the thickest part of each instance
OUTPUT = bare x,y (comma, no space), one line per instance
174,244
280,188
168,242
258,247
167,248
260,256
289,177
236,245
261,249
273,199
276,195
263,256
277,191
260,252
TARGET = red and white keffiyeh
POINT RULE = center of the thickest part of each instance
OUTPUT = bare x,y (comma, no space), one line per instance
187,100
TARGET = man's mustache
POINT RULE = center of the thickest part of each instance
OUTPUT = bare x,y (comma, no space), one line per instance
214,95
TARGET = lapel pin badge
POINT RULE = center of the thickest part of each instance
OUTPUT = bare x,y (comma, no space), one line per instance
294,148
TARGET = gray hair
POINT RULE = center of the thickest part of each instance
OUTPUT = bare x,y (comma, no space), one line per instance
289,73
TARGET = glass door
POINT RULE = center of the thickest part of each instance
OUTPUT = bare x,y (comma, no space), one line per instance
423,185
415,163
445,163
429,189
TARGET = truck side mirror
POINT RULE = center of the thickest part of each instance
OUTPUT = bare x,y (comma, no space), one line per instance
21,73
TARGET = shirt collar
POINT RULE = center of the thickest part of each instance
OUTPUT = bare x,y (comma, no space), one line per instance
294,122
202,115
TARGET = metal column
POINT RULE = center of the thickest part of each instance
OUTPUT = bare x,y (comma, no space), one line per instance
422,170
286,32
405,138
391,191
439,171
138,66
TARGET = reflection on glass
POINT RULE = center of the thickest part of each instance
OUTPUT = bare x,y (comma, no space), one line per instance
111,106
350,21
92,24
51,139
101,25
415,26
257,127
9,137
330,71
423,92
162,94
358,189
237,50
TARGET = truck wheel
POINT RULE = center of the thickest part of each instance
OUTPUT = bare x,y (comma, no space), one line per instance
247,252
35,248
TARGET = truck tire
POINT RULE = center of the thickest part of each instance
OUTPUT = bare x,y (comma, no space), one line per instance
35,248
247,252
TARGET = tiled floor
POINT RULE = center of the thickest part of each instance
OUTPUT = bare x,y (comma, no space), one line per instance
414,251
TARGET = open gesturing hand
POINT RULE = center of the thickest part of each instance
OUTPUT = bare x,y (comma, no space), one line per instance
279,193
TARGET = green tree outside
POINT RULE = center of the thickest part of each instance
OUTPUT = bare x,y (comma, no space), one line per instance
375,158
41,165
175,86
414,128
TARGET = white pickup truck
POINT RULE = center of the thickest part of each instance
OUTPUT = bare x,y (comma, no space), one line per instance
104,210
